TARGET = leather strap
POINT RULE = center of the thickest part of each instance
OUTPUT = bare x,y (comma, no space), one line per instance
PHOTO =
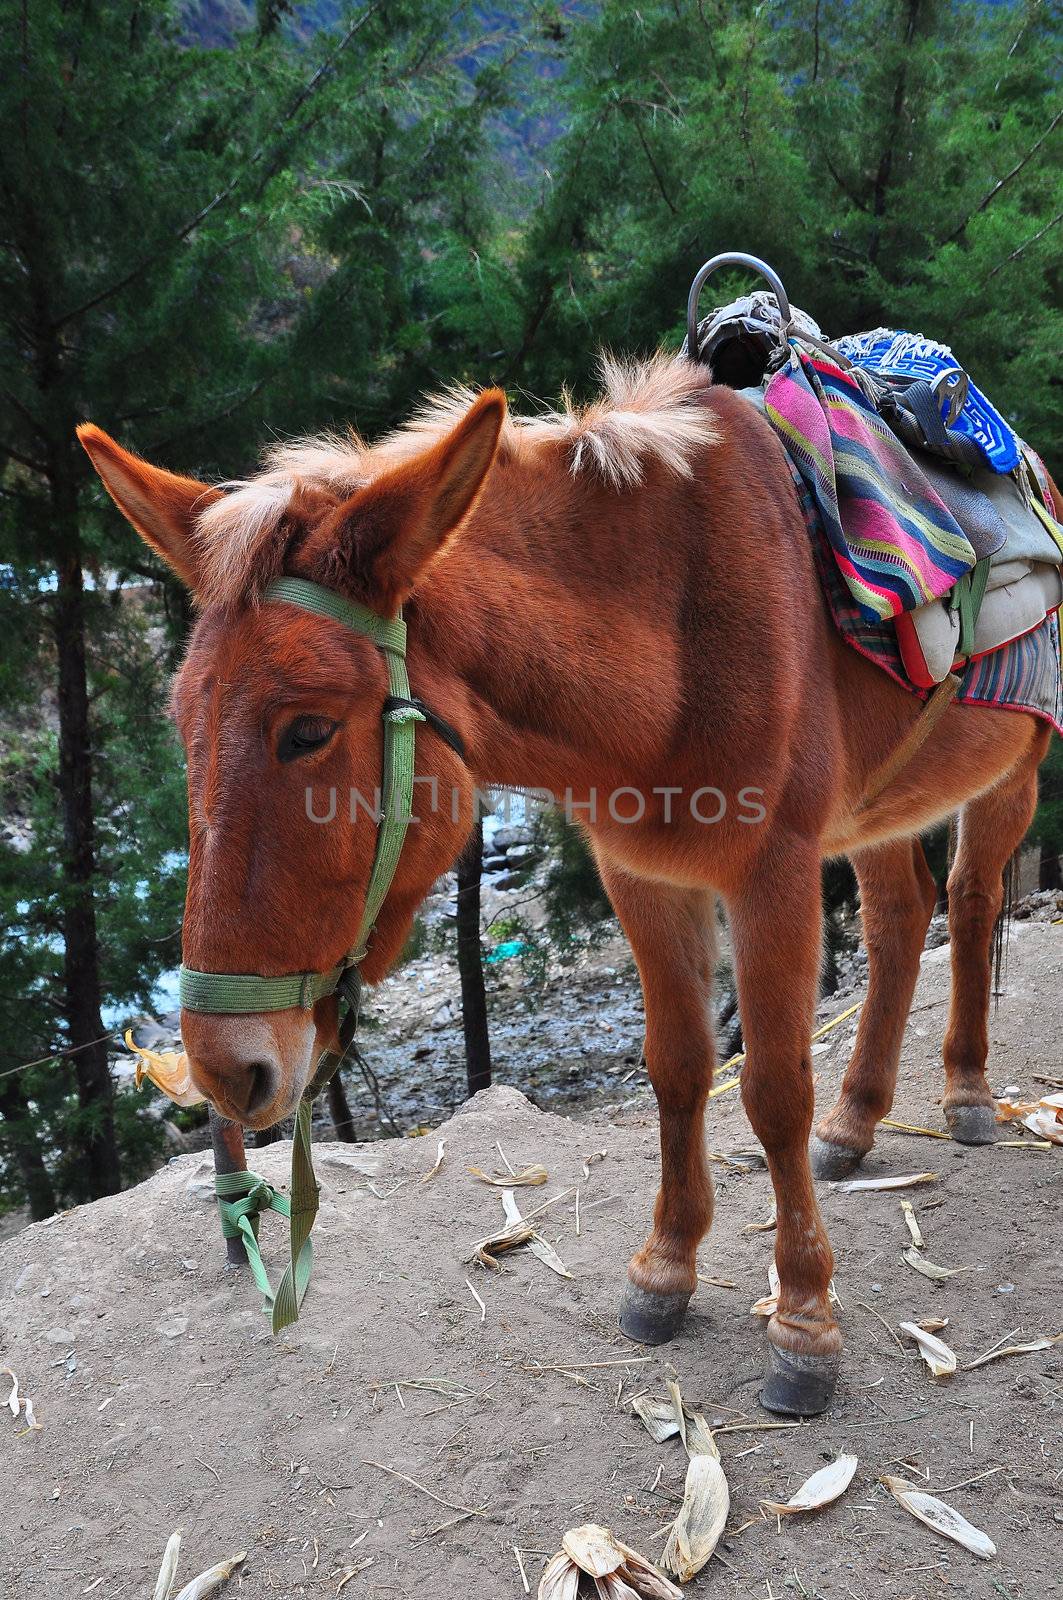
913,741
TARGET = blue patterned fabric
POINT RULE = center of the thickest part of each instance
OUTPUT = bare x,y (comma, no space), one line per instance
910,355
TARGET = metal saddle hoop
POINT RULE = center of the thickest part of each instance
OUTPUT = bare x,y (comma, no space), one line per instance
750,337
733,258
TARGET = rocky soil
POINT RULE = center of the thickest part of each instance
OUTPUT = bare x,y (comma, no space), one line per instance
428,1420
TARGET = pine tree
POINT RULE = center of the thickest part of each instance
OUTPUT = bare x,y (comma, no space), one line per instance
197,242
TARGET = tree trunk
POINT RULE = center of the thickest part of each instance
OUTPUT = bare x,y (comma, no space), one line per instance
25,1152
81,960
470,964
1049,873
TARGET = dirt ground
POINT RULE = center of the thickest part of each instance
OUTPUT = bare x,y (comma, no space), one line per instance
165,1402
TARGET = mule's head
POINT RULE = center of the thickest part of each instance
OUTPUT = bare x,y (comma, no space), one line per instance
280,714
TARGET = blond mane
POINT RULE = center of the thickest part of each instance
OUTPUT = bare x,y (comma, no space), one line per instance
648,413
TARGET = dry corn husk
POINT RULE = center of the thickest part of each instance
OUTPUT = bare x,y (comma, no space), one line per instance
488,1250
696,1531
167,1070
168,1571
912,1224
208,1581
768,1303
1043,1117
941,1517
1045,1122
691,1426
441,1151
930,1269
908,1180
935,1352
617,1570
824,1486
1045,1343
535,1241
516,1232
672,1418
657,1417
560,1579
198,1587
530,1176
17,1403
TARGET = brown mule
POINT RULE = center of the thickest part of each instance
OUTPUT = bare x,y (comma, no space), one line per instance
619,606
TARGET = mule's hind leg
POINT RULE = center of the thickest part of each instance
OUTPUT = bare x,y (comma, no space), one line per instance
897,896
776,925
992,827
672,937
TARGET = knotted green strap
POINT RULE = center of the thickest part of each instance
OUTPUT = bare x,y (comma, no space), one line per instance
305,1197
239,1216
239,1219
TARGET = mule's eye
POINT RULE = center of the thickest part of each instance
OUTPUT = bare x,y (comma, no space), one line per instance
303,735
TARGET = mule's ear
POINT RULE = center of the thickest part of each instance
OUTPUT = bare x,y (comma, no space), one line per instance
389,531
161,506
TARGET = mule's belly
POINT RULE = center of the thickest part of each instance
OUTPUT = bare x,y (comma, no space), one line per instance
969,752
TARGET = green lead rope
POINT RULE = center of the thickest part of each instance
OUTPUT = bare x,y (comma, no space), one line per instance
243,1196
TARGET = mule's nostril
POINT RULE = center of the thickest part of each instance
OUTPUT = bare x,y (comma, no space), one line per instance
262,1080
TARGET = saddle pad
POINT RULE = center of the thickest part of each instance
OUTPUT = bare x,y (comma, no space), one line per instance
911,355
895,542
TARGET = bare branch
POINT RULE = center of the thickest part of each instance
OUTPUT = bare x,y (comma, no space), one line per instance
1015,254
1002,182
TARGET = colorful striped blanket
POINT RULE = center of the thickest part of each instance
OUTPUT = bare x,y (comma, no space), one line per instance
894,541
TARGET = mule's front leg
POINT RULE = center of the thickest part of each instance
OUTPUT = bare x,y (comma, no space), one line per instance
775,922
672,936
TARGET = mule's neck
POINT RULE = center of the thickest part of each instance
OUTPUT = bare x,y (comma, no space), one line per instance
553,621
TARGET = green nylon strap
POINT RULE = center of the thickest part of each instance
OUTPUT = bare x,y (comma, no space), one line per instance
387,632
967,596
302,1214
305,1197
241,992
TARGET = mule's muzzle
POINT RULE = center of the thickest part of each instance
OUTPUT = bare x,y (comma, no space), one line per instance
252,1069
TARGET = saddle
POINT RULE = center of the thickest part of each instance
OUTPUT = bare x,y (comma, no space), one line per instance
940,518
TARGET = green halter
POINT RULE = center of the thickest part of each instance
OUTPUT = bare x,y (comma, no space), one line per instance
242,1196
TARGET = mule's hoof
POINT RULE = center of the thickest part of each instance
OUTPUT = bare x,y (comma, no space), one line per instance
972,1124
832,1161
799,1386
651,1318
